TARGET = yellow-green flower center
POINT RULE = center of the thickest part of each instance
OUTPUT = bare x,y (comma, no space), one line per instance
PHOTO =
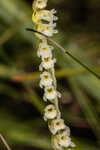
50,90
46,77
46,59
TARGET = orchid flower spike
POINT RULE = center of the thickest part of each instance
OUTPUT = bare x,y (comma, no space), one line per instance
44,23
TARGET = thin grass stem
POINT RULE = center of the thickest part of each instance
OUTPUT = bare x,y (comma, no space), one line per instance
66,52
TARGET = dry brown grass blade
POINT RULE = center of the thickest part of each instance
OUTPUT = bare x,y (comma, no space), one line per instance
5,142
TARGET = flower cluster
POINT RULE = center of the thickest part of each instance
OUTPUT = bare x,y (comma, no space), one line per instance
44,23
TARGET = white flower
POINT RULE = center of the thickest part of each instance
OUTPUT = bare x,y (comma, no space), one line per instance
64,139
39,4
46,15
47,63
61,141
46,79
44,50
55,143
50,112
47,29
56,125
50,93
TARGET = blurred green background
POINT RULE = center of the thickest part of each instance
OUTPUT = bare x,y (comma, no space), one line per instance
21,104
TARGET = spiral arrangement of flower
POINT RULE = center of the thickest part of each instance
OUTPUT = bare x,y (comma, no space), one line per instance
44,22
